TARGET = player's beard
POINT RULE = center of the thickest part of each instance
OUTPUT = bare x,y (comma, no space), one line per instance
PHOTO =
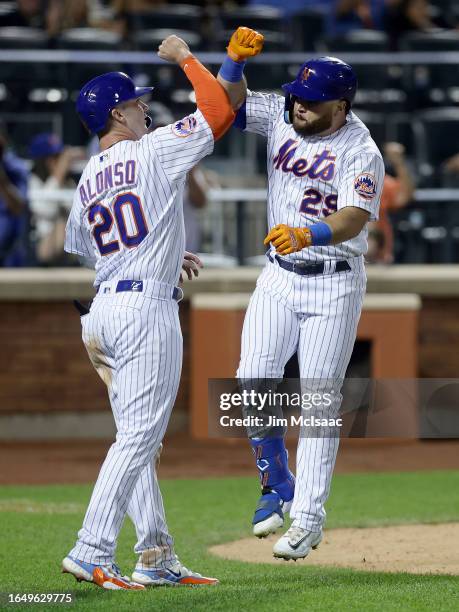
311,128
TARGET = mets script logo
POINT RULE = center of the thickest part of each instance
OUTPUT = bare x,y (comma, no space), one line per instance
306,74
185,127
365,186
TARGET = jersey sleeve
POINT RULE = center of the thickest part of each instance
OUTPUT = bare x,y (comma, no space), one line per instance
181,145
260,112
77,236
362,183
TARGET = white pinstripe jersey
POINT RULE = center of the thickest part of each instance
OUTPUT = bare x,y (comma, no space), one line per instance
312,177
127,213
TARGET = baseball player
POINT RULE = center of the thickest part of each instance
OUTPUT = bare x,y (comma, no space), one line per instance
325,176
127,215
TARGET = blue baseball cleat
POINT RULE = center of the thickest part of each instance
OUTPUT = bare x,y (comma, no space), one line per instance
269,514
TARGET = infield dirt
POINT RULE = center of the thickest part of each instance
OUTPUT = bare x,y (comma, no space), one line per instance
416,549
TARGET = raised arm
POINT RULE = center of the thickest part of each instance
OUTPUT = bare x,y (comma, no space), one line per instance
211,99
244,43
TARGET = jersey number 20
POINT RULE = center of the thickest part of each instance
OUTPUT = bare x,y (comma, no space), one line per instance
103,218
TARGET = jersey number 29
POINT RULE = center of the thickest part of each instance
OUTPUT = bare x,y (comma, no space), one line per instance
312,200
103,218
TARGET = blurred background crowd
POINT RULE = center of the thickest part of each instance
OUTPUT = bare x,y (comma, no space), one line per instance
405,53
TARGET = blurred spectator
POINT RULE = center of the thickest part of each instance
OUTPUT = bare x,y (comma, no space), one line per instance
294,7
348,15
397,192
376,245
14,218
199,181
121,7
28,14
450,172
56,16
65,14
52,162
405,16
160,115
103,14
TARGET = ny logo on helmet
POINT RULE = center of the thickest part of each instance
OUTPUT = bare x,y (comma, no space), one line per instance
306,74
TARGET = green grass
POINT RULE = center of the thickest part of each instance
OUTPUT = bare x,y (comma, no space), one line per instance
39,526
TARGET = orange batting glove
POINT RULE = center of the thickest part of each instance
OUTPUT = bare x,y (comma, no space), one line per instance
244,43
288,239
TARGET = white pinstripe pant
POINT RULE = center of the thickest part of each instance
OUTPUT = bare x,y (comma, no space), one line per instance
317,316
135,344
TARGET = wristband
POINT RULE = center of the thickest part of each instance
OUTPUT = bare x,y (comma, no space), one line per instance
232,71
321,234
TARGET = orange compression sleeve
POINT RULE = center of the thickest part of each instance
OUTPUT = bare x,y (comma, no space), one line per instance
211,99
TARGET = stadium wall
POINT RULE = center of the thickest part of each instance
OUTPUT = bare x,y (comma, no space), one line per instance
48,389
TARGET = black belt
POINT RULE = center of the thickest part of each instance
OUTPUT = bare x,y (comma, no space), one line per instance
304,268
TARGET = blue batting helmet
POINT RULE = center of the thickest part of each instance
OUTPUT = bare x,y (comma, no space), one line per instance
320,80
101,94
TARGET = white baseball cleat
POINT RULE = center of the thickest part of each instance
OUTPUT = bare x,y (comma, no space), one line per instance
296,543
